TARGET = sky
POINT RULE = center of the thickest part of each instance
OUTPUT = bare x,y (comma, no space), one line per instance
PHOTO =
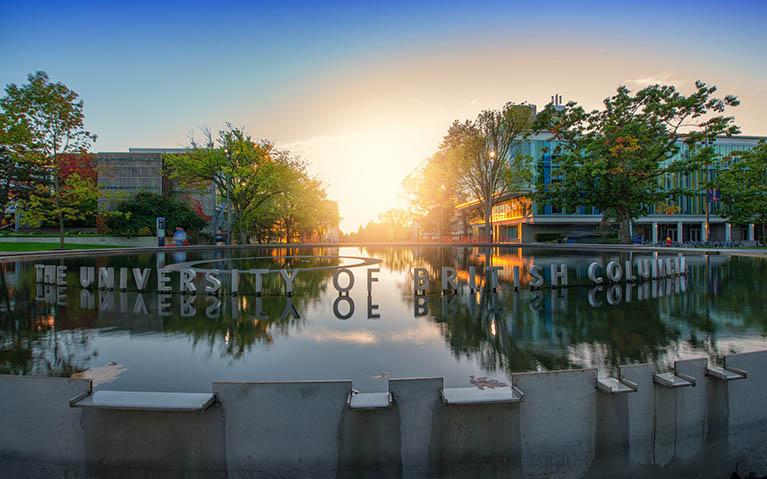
365,91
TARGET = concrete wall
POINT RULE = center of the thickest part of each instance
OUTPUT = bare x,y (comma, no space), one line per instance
564,427
136,241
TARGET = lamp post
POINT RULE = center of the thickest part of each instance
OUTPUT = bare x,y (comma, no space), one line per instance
490,199
441,212
228,201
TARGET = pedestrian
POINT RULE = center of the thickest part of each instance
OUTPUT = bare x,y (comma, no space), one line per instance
668,240
179,237
218,238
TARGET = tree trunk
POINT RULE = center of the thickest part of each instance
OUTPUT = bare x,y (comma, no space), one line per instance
59,213
624,228
488,222
287,232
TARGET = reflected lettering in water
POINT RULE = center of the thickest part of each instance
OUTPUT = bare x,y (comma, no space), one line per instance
171,341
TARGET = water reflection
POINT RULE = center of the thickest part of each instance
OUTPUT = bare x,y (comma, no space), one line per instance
718,308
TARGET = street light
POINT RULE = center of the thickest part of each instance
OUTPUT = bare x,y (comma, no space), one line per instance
441,212
489,228
228,200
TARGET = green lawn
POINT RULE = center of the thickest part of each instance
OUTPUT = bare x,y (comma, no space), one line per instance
14,247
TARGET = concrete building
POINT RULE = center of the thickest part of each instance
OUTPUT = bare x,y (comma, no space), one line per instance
517,218
123,174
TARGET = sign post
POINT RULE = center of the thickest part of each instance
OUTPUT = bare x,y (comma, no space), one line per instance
160,231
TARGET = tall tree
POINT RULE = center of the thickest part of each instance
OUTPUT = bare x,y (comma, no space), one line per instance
616,158
242,170
53,115
743,185
433,191
19,171
484,156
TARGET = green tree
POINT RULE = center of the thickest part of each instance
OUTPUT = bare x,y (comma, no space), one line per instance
484,158
616,158
243,171
138,214
743,185
53,115
76,202
19,170
299,212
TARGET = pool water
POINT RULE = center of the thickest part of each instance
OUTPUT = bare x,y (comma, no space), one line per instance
159,341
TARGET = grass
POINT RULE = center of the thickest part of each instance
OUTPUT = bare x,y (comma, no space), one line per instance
21,247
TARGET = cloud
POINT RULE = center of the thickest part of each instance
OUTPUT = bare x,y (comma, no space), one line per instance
665,78
349,337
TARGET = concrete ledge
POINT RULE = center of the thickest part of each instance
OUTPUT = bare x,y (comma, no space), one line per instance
672,380
370,400
565,427
476,396
725,373
616,385
145,401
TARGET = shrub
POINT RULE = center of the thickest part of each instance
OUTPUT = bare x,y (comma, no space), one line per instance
138,215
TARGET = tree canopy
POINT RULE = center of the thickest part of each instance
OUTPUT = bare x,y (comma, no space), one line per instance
138,214
616,158
271,194
483,158
41,120
743,186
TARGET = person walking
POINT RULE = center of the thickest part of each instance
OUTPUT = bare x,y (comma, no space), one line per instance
218,238
179,237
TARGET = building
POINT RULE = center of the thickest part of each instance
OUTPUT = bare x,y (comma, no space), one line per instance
516,218
123,174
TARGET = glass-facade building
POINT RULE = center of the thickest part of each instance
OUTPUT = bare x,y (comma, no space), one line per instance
682,217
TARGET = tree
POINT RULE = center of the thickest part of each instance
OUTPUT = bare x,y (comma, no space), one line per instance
53,115
615,158
241,170
19,170
300,211
432,191
484,158
743,186
391,225
76,201
138,214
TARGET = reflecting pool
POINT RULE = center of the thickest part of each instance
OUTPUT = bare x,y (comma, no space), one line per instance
167,341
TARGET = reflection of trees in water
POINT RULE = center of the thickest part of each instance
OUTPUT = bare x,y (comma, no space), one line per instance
259,322
30,340
397,258
553,329
63,345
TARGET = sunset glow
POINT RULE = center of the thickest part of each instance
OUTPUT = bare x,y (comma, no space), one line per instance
365,94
